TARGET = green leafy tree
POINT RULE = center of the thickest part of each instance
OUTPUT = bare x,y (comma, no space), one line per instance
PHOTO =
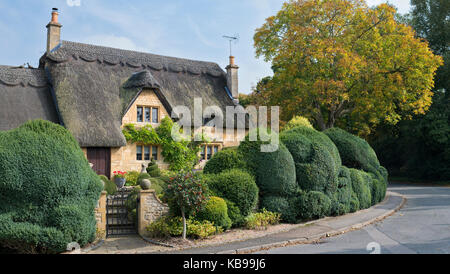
341,62
187,191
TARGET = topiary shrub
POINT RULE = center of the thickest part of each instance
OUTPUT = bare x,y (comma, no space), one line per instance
357,153
314,205
361,184
110,187
237,186
317,160
153,169
274,171
48,191
224,160
298,121
235,214
287,207
216,212
341,200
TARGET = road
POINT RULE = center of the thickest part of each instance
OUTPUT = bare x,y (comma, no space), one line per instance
422,226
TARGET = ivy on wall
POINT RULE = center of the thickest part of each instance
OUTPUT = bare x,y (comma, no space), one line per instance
179,154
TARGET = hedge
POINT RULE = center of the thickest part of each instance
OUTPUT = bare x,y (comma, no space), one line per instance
237,186
47,188
361,184
317,160
215,211
274,171
356,152
223,160
287,207
314,205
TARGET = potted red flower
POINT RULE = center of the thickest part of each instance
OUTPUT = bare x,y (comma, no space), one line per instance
119,178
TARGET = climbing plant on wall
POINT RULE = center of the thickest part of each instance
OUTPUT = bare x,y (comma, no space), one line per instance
179,154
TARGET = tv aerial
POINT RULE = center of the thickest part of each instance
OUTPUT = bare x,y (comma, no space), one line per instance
232,39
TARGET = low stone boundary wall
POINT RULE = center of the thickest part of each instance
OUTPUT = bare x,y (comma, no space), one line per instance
150,208
100,212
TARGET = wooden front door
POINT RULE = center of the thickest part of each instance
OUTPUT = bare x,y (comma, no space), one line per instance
100,157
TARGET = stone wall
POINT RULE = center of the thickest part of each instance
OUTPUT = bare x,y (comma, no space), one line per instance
100,212
150,208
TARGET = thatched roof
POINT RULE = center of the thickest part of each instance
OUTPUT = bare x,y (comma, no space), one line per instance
94,86
24,95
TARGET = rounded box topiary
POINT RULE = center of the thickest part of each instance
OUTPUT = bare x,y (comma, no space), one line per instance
224,160
237,186
286,206
48,191
215,211
357,153
317,160
361,184
314,205
274,171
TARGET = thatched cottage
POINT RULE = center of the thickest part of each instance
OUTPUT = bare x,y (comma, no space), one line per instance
94,91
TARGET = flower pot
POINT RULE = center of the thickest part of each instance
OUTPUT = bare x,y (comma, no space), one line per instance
120,182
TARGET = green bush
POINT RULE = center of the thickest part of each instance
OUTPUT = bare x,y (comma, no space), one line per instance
298,121
287,207
131,204
132,178
358,154
317,160
354,203
361,184
110,187
153,169
224,160
215,211
237,186
341,200
234,213
274,171
48,191
262,220
173,226
314,205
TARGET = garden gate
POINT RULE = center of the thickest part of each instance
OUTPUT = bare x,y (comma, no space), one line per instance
118,221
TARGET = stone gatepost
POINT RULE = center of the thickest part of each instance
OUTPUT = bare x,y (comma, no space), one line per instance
100,212
150,208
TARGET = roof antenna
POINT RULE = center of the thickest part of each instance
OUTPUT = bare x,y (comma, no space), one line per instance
234,39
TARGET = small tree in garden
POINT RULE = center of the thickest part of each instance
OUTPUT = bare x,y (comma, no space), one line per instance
186,191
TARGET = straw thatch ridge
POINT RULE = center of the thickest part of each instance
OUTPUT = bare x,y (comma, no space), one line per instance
94,86
24,96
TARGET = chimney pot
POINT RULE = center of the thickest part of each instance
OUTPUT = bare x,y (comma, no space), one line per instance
53,31
55,15
231,60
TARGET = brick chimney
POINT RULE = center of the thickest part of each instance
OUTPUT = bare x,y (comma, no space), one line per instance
53,31
232,78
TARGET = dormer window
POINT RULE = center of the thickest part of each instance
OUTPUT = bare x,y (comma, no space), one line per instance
147,114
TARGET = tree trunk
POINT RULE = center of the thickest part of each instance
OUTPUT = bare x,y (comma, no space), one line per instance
184,223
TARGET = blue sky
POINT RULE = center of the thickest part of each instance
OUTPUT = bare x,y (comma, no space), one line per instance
182,28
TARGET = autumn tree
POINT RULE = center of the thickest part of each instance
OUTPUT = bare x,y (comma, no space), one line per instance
339,61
